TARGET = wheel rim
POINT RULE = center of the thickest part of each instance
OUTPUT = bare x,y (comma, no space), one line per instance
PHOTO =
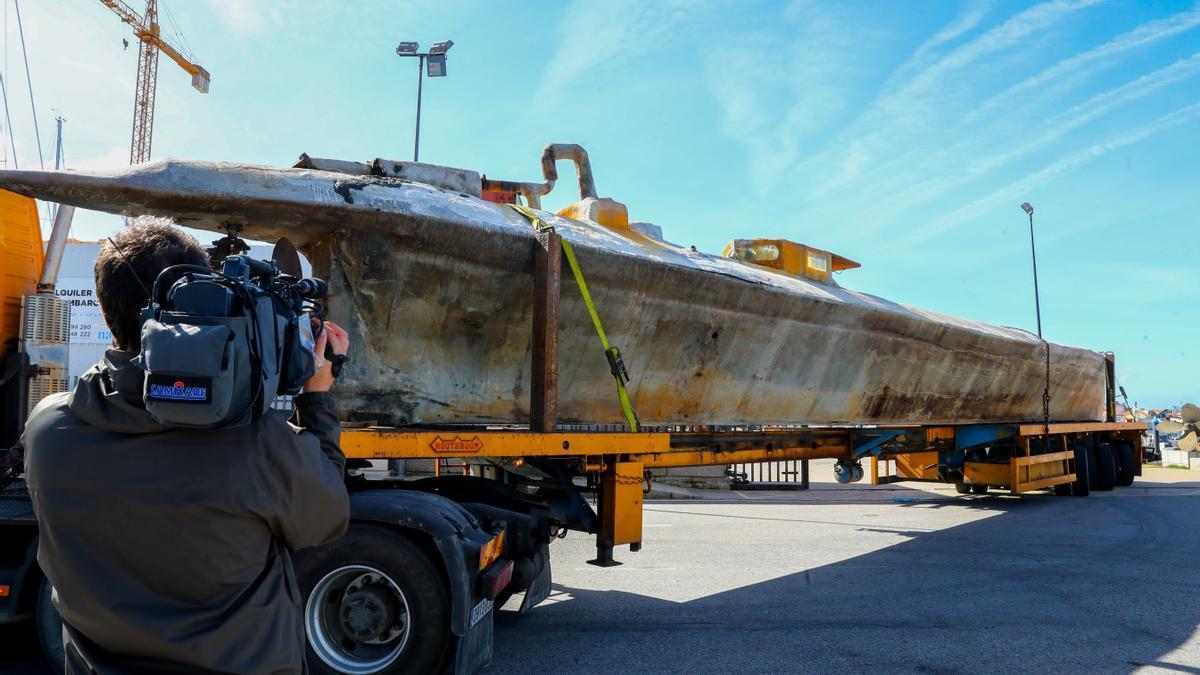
357,620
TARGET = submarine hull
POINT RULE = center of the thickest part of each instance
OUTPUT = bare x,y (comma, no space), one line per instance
436,289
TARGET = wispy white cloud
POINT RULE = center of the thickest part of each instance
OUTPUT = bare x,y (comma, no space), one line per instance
809,70
116,158
967,20
981,124
593,34
976,162
1141,36
998,39
243,17
903,109
1015,190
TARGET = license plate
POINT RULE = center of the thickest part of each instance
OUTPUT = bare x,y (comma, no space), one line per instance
480,611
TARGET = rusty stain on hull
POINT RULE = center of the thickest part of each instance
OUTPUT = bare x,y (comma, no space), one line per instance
436,289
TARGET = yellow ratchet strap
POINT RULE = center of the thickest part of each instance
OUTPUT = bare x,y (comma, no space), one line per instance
616,364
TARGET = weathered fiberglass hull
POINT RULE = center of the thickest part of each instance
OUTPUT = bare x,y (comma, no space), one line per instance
436,286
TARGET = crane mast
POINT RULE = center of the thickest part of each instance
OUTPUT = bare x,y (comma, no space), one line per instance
150,43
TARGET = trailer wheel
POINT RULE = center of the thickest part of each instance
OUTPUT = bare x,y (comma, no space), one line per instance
1062,489
50,628
1083,471
979,489
1106,467
1126,465
1093,468
374,602
962,488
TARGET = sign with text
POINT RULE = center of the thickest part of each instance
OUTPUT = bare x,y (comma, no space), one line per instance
87,323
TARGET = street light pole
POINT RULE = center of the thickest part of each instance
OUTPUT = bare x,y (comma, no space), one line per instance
420,80
1037,300
435,61
1037,303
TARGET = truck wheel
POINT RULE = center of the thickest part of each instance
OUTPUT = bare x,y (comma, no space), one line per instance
962,488
1093,468
979,489
49,628
374,602
1126,465
1106,467
1082,472
1062,489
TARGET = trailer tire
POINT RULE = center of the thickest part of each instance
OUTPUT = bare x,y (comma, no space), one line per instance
1106,467
1126,465
979,489
1093,466
1062,489
394,585
1082,472
962,488
50,628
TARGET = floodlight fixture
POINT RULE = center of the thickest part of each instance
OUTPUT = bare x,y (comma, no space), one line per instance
441,47
435,65
1027,208
407,49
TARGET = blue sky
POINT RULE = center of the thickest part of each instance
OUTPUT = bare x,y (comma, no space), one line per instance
900,135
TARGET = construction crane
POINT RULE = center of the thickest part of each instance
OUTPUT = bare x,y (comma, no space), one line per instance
145,28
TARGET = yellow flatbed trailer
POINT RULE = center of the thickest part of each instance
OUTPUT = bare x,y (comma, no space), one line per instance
1019,458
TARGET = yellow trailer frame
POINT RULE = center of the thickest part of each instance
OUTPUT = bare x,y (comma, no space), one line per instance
1024,472
618,462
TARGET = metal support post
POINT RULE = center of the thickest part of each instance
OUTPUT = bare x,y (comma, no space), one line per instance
547,283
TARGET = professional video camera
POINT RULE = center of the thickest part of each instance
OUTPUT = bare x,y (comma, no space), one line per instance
219,347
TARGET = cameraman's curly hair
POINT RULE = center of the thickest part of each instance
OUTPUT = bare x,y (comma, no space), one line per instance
149,245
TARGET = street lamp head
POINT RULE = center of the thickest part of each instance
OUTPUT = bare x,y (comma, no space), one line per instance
406,48
441,47
1027,208
435,65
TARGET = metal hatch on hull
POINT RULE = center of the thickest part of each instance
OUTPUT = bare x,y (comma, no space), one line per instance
790,257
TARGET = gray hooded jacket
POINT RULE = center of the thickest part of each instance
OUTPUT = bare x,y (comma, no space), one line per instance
169,548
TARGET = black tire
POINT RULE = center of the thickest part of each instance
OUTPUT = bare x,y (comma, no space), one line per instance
962,488
1092,468
48,625
399,574
1063,489
979,489
1106,467
1082,472
1126,465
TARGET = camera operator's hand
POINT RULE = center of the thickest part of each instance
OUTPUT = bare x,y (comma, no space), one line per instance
338,341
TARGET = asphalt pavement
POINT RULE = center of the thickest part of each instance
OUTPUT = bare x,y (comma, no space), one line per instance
885,579
858,579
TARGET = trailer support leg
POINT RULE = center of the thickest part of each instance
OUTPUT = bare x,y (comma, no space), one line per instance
620,500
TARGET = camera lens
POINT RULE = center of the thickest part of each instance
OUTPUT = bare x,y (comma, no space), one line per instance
311,288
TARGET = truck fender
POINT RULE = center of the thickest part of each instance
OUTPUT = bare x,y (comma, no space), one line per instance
456,534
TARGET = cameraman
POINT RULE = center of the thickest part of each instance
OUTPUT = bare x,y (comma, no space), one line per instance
169,548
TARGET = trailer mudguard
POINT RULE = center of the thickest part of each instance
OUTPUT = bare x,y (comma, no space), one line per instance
455,533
